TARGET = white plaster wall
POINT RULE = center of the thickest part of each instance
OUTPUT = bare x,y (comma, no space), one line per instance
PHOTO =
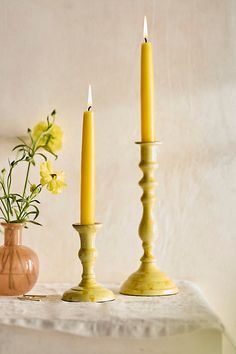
51,50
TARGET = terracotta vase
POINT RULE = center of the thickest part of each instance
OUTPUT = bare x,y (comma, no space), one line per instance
19,265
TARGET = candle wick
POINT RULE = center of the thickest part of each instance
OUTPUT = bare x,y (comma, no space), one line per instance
89,108
145,39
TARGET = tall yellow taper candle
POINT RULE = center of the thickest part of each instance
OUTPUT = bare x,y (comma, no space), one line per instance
87,205
148,125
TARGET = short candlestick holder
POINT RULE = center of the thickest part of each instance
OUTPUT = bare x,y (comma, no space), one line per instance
148,280
88,290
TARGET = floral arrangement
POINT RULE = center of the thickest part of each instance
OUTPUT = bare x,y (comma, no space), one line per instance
44,139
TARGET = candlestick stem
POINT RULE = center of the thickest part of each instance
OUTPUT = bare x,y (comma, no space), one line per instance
88,289
148,280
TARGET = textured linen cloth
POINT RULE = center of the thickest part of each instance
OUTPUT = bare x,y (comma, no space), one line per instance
128,316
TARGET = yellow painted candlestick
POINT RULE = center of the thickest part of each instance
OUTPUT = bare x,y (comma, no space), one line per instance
148,280
88,290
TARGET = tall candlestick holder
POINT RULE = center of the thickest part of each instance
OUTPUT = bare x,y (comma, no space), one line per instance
88,290
148,280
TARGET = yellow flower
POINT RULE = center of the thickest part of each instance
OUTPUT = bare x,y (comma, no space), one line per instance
54,180
51,140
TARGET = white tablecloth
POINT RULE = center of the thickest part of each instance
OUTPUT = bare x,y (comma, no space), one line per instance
130,323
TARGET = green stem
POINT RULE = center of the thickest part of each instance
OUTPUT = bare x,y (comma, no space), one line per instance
8,207
5,217
34,148
26,179
23,210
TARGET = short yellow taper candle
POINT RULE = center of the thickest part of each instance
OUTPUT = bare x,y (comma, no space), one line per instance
87,195
148,125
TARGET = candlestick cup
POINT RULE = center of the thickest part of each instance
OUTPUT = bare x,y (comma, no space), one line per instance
148,280
88,289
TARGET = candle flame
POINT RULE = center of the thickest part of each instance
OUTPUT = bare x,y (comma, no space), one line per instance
145,28
90,101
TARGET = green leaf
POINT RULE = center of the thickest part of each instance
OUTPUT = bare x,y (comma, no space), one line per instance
44,156
22,140
33,211
50,151
16,213
18,146
34,222
16,194
36,201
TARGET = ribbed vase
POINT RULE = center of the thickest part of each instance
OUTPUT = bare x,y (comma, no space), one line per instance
19,265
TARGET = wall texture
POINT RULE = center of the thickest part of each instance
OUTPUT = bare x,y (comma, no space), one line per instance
51,50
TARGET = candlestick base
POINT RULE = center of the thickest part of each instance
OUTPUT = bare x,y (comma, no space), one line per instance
88,290
85,294
148,281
